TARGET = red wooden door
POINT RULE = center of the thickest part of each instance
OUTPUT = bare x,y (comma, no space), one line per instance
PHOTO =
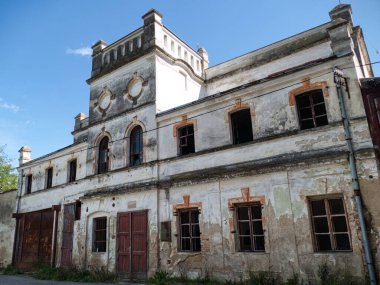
371,98
67,235
132,243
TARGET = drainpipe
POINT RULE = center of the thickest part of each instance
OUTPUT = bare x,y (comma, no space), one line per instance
158,255
18,197
340,81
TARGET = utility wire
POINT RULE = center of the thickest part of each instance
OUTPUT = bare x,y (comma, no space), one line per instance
216,109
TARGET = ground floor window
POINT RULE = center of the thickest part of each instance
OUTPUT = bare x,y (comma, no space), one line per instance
329,224
189,232
100,235
250,227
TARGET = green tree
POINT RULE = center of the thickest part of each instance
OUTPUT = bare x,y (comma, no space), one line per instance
8,177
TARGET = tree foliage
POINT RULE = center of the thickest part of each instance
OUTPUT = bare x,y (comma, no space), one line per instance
8,177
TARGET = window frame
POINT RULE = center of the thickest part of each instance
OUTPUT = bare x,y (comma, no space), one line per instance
309,94
179,137
101,170
49,178
190,224
29,181
328,215
234,138
251,222
141,146
94,236
72,176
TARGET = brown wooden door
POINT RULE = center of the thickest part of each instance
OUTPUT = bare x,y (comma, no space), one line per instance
371,98
132,243
67,235
34,241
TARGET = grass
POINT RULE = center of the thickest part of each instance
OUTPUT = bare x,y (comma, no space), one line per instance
11,270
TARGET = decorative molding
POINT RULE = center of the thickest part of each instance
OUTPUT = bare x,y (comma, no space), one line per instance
186,205
184,121
307,86
238,106
135,82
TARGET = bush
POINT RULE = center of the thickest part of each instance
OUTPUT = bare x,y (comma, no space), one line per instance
11,270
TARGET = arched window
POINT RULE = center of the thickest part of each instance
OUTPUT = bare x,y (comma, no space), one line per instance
103,158
241,125
136,146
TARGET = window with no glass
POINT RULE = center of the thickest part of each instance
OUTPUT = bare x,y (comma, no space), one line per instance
72,170
186,140
329,224
136,146
103,159
311,109
29,183
100,235
250,227
189,232
241,126
49,177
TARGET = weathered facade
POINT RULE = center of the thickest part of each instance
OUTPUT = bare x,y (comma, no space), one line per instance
238,167
7,226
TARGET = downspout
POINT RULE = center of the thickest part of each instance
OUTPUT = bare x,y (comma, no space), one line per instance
340,81
15,239
158,256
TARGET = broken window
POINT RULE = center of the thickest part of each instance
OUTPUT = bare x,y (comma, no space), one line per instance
311,109
189,232
49,177
72,170
78,208
186,140
100,235
29,183
250,227
241,126
136,146
103,159
329,224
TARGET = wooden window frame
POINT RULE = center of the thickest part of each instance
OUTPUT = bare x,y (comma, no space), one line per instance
190,224
72,176
133,153
29,181
95,242
251,222
181,147
312,106
329,216
49,177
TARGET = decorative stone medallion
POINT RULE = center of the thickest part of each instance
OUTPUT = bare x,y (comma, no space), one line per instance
134,87
105,99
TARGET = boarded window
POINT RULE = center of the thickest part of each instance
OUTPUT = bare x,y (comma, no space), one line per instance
72,170
100,235
189,232
311,109
49,177
103,159
329,224
29,179
241,126
136,146
250,227
186,140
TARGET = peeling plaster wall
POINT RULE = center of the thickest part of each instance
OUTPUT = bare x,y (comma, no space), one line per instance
7,226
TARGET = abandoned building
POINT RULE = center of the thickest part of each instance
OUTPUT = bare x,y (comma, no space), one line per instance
243,166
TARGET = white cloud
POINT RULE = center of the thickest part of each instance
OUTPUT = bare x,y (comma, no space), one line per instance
83,51
6,106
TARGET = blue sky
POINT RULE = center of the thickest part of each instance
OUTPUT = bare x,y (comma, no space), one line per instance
44,50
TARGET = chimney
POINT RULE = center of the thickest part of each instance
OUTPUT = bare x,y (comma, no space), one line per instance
342,11
25,154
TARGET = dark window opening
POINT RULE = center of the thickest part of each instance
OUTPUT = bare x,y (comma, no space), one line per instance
241,124
189,232
136,148
100,235
103,160
49,177
186,140
329,223
250,227
29,183
311,110
78,208
72,170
